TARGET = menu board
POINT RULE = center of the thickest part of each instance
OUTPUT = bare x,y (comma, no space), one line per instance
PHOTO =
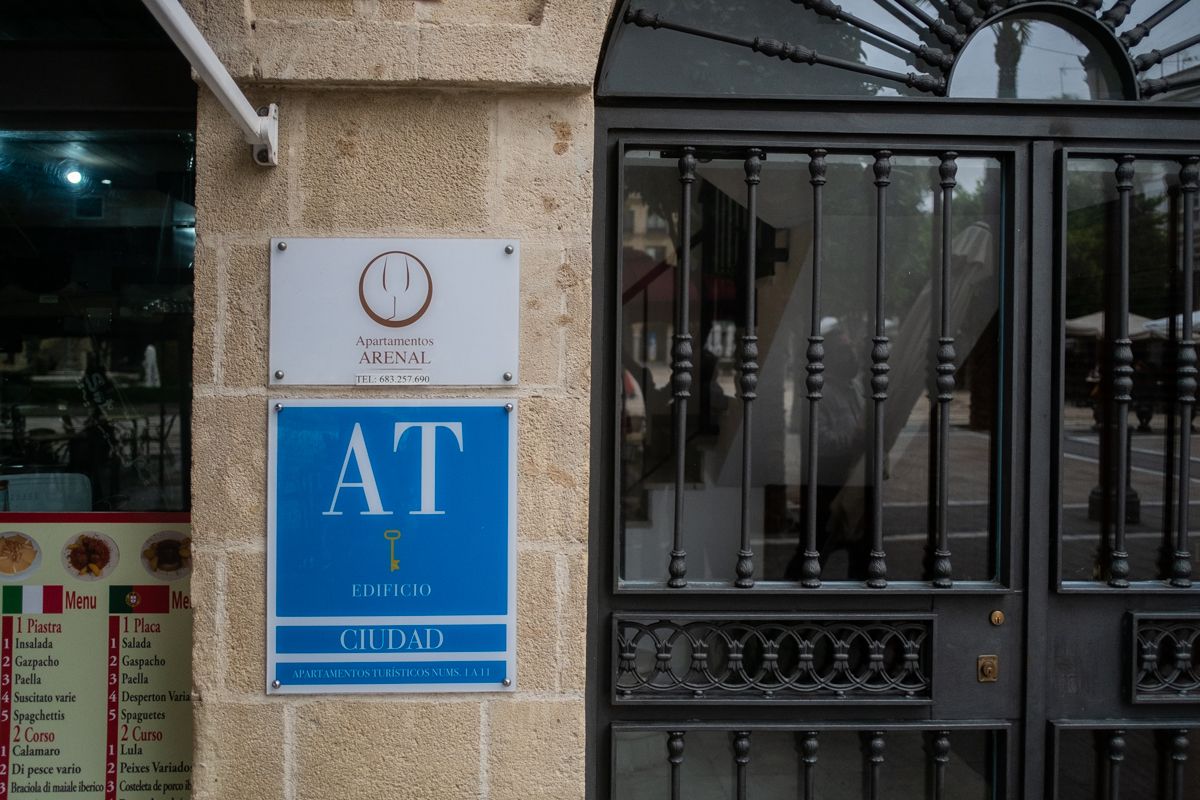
95,656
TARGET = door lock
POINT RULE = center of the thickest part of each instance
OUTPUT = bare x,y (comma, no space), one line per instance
988,669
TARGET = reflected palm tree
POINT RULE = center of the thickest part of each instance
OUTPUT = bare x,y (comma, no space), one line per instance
1011,38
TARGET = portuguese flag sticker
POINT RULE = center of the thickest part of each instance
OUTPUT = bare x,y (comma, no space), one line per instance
139,599
33,599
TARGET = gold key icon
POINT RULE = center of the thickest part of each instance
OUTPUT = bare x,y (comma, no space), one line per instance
392,536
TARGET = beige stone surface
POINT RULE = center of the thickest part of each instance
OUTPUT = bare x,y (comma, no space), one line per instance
537,622
401,751
232,194
301,9
536,750
545,162
239,751
204,320
243,639
395,160
335,49
553,469
246,320
573,622
521,12
229,455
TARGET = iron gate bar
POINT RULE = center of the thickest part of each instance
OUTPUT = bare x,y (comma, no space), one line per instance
681,367
1181,564
1090,6
675,742
1122,385
749,376
1153,58
1171,744
873,747
1110,752
877,559
1134,35
942,571
809,747
941,30
810,566
1116,14
741,757
938,758
930,55
965,15
786,51
1178,763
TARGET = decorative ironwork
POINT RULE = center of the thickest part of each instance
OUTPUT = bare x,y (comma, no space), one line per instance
930,55
749,376
1122,383
945,381
786,51
780,660
810,565
681,366
962,19
1111,747
1134,35
1165,666
1178,763
876,559
1181,561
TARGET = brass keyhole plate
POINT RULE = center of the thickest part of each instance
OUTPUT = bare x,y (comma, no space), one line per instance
988,669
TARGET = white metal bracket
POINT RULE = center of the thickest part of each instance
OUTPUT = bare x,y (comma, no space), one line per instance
261,128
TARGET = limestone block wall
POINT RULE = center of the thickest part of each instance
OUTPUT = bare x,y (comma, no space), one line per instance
418,118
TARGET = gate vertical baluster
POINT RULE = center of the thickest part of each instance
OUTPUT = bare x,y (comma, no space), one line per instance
675,759
1114,753
877,560
810,567
1122,382
938,757
1179,755
872,750
749,380
945,381
809,746
1181,564
681,367
741,757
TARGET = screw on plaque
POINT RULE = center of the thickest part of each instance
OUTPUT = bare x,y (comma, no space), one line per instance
506,682
275,684
392,536
278,374
508,407
279,406
509,249
281,245
508,376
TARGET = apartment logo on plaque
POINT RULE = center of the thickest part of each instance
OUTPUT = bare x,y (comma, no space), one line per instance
395,289
363,312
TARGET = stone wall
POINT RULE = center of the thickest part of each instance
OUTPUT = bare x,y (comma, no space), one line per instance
453,118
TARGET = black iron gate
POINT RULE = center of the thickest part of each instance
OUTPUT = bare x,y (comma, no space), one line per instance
893,487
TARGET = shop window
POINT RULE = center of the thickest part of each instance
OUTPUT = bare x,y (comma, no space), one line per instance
97,240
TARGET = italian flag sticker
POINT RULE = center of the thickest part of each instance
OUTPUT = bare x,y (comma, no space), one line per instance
33,599
139,599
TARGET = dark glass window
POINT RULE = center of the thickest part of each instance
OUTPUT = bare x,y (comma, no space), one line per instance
97,236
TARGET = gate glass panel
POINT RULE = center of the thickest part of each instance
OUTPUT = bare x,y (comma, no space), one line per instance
829,382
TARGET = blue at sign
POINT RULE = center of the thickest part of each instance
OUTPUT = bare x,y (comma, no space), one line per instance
391,563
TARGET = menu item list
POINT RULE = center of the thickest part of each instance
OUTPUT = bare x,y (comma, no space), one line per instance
95,657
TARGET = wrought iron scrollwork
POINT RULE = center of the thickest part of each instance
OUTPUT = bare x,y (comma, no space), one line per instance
1166,668
849,660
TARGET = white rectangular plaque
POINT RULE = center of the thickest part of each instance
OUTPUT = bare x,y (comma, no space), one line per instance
394,312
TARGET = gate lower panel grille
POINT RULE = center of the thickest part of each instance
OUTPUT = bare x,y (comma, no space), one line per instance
837,659
1166,650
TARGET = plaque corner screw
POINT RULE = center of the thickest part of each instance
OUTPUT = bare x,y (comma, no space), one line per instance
281,246
275,684
508,376
278,374
279,406
508,407
506,682
509,249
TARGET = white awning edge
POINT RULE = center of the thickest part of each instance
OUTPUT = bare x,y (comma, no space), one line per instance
260,128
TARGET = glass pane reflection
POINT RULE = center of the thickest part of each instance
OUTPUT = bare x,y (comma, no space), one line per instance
1035,57
1093,222
97,235
783,287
